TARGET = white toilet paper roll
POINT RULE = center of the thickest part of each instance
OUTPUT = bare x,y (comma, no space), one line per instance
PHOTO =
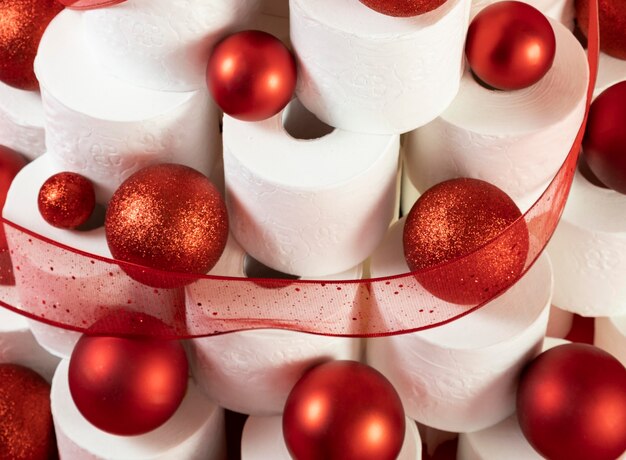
560,323
559,10
21,121
610,335
161,44
106,129
610,71
310,206
588,251
195,431
460,376
363,71
516,140
262,439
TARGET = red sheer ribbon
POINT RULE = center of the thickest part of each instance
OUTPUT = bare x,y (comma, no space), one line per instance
73,290
89,4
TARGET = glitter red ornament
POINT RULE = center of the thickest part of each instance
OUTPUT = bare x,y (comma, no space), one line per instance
167,217
612,15
343,409
571,404
251,75
510,45
66,200
26,429
604,144
403,8
22,24
454,219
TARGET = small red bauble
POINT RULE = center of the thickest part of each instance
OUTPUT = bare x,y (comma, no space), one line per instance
167,217
403,8
127,385
66,200
604,144
26,429
571,404
23,24
251,75
453,219
343,409
612,16
510,45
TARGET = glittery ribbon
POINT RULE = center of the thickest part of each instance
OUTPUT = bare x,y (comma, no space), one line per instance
89,4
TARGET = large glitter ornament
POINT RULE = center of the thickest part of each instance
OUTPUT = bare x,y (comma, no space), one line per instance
66,200
612,15
510,45
403,8
167,217
26,429
343,409
128,385
450,221
22,23
604,144
571,404
251,75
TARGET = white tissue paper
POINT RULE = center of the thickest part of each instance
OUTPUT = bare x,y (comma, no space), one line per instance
21,121
363,71
308,206
195,431
610,71
516,140
461,376
559,10
610,335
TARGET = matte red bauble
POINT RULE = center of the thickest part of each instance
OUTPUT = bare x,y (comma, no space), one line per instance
453,219
403,8
612,15
341,410
167,217
89,4
251,75
604,144
26,429
66,200
22,23
510,45
127,385
571,404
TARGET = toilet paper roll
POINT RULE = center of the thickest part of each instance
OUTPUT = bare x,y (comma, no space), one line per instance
308,206
610,71
363,71
562,11
195,431
460,376
52,282
560,323
106,129
161,44
588,251
262,439
21,121
610,335
516,140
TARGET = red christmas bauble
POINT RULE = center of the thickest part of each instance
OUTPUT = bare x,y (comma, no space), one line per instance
22,25
26,429
604,144
66,200
251,75
403,8
453,219
127,385
167,217
89,4
612,16
571,404
343,409
510,45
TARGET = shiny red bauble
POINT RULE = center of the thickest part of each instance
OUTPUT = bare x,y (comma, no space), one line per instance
571,404
89,4
341,410
612,16
251,75
403,8
22,23
452,220
510,45
66,200
604,144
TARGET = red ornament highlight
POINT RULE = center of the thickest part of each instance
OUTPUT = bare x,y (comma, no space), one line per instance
453,219
612,25
251,75
604,144
23,24
571,403
510,45
66,200
403,8
343,409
